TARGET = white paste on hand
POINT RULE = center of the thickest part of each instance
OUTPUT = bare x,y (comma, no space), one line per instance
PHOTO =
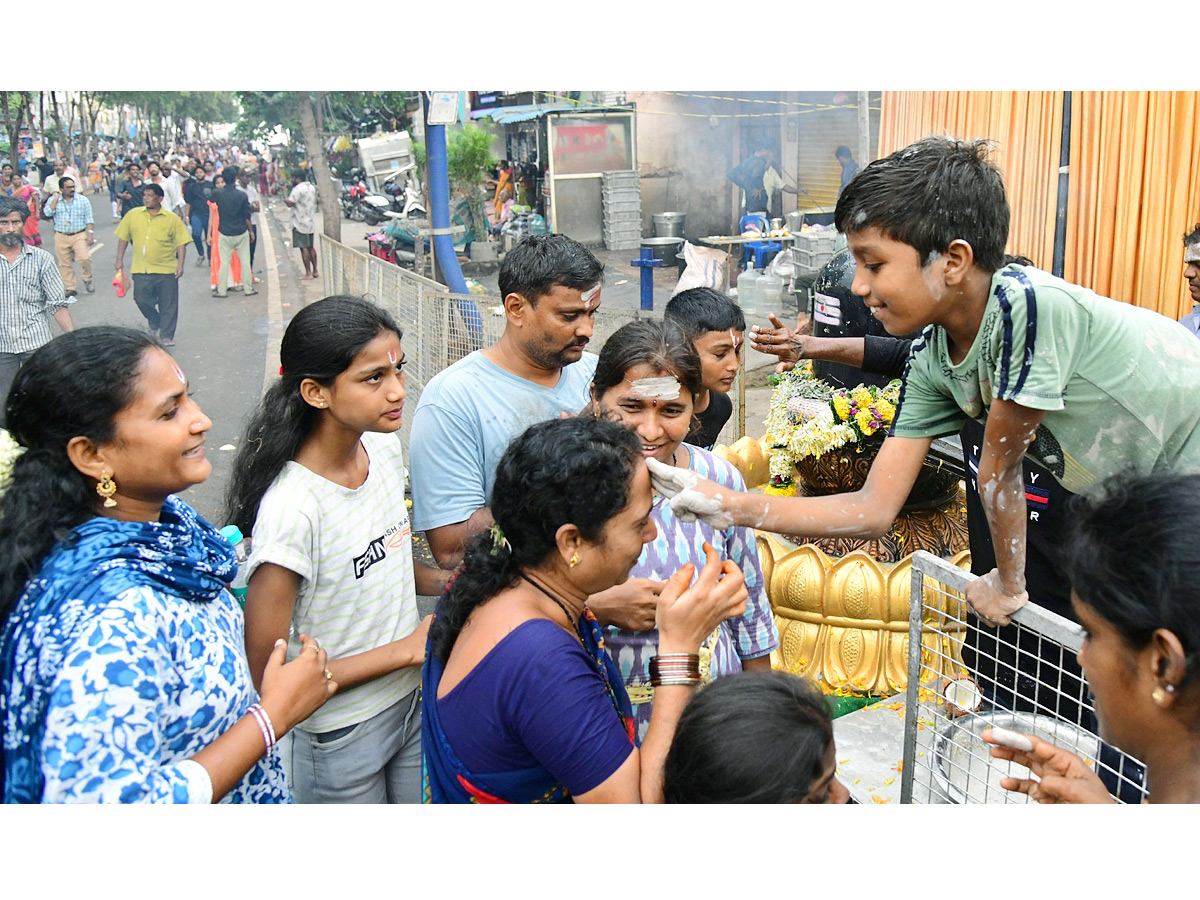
1012,739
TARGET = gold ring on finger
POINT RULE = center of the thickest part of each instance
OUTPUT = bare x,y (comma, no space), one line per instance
328,675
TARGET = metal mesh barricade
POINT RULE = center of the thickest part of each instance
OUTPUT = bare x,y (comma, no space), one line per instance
964,677
441,328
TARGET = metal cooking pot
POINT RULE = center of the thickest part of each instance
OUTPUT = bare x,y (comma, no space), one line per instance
669,224
668,249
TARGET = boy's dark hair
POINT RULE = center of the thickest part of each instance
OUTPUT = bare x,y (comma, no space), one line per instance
700,310
930,194
1192,236
541,261
753,737
153,188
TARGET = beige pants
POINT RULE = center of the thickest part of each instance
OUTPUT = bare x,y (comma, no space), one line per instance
67,246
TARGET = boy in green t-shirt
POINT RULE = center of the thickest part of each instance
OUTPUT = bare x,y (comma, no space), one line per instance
1089,387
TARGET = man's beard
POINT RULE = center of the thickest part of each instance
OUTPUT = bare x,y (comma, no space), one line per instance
555,359
12,239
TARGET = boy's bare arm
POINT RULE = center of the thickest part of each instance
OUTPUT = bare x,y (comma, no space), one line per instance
1009,432
869,512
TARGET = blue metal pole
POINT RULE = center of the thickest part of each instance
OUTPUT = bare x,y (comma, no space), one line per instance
439,215
647,263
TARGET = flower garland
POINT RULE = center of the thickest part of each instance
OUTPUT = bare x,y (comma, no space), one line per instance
10,450
810,417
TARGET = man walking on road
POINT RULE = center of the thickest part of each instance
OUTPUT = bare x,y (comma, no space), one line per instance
303,203
129,191
246,186
233,216
73,233
159,240
30,287
196,192
172,197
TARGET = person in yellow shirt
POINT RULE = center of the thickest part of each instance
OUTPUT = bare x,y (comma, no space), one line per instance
159,240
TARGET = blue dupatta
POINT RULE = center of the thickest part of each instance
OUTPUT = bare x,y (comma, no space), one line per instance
181,554
446,780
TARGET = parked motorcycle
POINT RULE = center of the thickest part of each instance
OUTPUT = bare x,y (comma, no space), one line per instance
405,192
361,204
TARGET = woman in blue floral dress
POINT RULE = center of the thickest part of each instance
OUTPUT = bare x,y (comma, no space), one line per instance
122,673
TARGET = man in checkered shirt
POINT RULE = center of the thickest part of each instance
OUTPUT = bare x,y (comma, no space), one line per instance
30,287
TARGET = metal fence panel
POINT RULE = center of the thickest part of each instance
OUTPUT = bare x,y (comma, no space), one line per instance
1020,678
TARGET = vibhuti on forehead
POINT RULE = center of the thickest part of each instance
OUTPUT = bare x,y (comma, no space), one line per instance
1191,253
733,337
664,387
589,295
392,357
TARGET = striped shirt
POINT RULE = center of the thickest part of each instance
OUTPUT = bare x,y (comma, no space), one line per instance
352,548
30,289
749,636
70,216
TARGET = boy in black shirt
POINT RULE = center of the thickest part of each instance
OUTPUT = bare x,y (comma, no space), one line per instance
716,327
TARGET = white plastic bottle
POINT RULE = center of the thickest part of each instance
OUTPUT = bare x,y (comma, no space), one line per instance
747,287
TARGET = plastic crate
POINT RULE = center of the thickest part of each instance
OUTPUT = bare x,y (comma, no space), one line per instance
816,241
620,179
811,258
623,221
621,245
621,197
623,206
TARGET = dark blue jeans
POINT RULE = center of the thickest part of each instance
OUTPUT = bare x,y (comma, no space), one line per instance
199,230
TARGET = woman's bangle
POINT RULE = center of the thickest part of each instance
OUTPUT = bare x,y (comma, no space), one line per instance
675,669
265,726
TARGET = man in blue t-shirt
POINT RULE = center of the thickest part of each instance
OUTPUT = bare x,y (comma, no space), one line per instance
537,370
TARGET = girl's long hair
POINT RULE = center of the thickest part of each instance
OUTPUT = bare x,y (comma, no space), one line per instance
320,343
73,386
564,471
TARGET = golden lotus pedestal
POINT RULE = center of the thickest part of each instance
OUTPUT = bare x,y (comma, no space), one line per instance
842,604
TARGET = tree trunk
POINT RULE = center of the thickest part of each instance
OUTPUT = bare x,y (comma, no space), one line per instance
11,127
331,211
57,124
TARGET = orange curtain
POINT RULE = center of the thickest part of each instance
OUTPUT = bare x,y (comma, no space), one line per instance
1135,177
1025,127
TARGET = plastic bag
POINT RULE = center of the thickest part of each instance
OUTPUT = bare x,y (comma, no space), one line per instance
120,284
705,268
783,265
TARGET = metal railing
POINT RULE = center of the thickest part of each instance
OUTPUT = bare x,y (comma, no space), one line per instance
1023,678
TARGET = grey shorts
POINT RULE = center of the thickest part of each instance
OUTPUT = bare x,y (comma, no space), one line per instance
300,240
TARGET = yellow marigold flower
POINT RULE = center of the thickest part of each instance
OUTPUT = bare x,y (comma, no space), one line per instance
865,422
886,411
841,406
861,396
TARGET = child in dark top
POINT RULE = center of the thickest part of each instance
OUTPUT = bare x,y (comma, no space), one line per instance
715,325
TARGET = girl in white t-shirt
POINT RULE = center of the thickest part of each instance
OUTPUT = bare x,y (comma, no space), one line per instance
319,483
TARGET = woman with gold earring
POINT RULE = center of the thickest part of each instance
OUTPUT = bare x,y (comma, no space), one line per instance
97,552
1132,561
522,702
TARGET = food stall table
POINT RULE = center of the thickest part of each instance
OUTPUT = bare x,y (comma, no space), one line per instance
728,241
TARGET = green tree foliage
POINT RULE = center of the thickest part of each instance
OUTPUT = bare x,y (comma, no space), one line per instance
353,113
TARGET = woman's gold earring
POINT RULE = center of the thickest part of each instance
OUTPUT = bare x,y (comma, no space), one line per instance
106,487
574,561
